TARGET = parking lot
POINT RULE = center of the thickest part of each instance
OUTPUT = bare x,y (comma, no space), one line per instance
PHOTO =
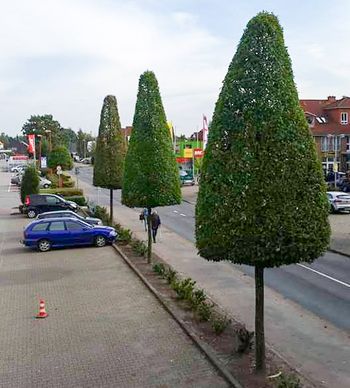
104,328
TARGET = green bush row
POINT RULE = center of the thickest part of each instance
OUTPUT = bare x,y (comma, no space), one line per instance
64,191
67,181
186,290
78,199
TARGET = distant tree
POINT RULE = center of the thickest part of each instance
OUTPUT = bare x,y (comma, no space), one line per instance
110,152
262,197
83,139
151,176
60,156
30,182
45,125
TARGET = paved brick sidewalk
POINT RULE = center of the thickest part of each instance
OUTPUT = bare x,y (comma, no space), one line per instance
104,328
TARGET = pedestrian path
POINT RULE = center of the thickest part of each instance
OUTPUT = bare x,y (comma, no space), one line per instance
313,346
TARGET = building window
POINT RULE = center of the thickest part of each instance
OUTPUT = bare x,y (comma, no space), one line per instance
344,118
324,143
347,143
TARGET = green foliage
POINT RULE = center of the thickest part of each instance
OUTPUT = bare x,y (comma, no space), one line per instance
245,338
184,288
262,197
110,148
30,182
219,323
125,237
67,181
64,191
170,275
151,174
139,247
101,213
204,311
60,156
41,125
288,381
198,297
78,199
159,268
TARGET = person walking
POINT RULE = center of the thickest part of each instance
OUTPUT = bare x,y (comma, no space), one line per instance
155,223
143,217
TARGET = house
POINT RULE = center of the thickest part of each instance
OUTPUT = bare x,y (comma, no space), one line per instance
329,124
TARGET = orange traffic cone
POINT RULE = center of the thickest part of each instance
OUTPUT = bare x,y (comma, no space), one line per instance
42,311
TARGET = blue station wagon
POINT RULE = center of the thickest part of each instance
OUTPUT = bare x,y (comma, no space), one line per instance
66,232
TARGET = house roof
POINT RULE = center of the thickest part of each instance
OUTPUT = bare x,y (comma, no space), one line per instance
319,109
339,104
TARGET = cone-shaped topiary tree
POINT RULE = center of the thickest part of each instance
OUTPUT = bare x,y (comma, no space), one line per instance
262,198
110,150
30,182
151,175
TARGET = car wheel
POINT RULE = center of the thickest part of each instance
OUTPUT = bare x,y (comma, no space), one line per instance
46,186
100,241
333,209
31,214
44,245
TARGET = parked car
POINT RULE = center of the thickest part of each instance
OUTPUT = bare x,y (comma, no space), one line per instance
18,168
69,213
86,161
44,183
186,178
65,232
35,204
17,179
338,201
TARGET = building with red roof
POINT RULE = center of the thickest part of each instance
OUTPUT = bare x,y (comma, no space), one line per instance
330,126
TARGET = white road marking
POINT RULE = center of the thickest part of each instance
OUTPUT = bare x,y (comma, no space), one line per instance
183,215
324,275
9,189
175,211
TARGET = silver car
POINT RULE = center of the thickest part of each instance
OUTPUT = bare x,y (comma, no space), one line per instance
338,201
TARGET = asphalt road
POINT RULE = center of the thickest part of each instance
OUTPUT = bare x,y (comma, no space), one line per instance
322,287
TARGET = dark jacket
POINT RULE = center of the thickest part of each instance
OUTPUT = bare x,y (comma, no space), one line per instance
155,221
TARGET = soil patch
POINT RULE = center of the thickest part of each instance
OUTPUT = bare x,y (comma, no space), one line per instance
228,345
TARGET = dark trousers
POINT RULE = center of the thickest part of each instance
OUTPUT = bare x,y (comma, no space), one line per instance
154,234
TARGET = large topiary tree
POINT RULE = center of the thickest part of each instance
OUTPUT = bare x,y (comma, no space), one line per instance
262,198
151,175
60,156
30,182
110,150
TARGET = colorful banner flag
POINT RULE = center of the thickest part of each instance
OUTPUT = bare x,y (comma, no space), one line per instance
31,143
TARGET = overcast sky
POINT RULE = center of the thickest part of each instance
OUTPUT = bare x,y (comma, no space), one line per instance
62,57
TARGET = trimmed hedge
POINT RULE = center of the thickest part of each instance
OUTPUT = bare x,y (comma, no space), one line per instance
64,191
78,199
67,181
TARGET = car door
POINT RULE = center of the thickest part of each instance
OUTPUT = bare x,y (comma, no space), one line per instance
58,235
80,232
54,203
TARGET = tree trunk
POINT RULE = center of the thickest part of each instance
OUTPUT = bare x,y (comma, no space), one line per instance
259,320
111,206
149,228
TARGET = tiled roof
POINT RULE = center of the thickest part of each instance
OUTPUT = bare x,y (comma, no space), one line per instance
320,108
342,103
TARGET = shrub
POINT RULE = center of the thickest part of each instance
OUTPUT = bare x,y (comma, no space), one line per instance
184,288
245,338
170,275
204,311
78,199
67,181
159,268
60,156
64,191
288,381
197,297
101,212
138,246
30,182
219,323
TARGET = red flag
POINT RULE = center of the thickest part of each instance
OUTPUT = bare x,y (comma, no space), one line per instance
31,143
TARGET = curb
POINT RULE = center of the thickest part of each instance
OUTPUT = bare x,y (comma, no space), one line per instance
201,346
192,203
339,252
